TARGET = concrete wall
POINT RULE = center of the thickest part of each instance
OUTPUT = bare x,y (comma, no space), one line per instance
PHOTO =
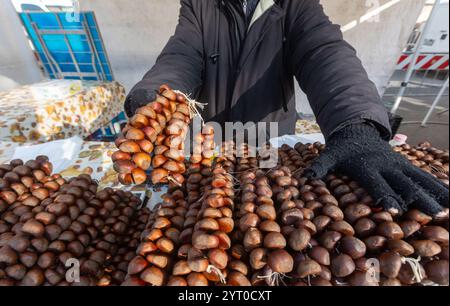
378,29
135,32
17,63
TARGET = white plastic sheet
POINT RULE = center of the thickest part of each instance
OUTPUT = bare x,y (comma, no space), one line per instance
292,140
62,153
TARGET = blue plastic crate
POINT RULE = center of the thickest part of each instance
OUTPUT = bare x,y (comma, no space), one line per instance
70,50
110,132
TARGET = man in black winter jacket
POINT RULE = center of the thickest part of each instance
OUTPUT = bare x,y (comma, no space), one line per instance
242,56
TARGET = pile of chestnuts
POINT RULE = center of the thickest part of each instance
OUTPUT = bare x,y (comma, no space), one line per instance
427,158
355,243
246,226
54,225
223,221
159,242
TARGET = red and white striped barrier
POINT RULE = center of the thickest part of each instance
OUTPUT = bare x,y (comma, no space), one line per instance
424,62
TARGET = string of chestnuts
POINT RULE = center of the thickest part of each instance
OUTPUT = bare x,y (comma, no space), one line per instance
155,137
207,258
427,158
159,242
199,176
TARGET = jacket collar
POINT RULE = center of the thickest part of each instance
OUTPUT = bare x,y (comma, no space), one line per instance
263,6
257,32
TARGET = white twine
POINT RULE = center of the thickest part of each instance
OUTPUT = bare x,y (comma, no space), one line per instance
235,179
213,269
429,283
171,179
341,283
415,267
271,279
274,279
194,106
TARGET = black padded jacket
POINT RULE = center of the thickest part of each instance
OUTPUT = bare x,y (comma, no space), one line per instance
245,69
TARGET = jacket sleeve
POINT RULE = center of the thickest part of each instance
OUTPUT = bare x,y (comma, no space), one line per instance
180,64
330,73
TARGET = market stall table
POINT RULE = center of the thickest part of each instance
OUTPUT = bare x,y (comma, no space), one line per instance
26,117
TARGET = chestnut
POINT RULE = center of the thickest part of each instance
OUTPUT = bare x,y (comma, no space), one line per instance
390,264
437,271
426,248
320,255
19,243
342,266
153,276
28,259
275,241
353,247
299,239
361,279
436,233
34,277
308,268
8,256
280,261
329,239
34,228
142,160
390,230
401,247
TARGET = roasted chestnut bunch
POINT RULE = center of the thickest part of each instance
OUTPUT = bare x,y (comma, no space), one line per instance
238,270
28,183
159,242
155,137
194,267
427,158
202,259
255,217
276,209
199,177
207,257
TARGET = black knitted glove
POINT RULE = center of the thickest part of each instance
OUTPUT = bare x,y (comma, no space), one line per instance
136,99
359,152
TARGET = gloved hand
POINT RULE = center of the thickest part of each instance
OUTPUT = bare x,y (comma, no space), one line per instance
136,99
359,152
